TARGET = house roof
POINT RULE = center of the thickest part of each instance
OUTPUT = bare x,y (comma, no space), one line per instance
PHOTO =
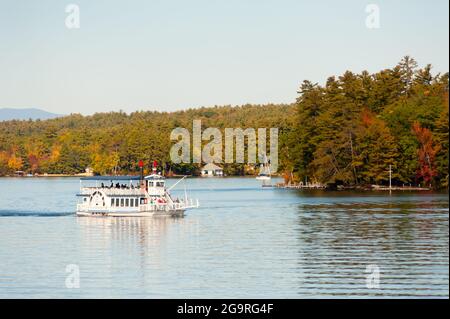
211,167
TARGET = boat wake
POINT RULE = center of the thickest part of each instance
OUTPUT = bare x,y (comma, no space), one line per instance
16,213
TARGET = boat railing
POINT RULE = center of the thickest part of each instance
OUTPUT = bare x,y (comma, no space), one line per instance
181,205
189,203
83,207
113,191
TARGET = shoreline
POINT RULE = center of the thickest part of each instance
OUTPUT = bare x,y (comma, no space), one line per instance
84,175
377,189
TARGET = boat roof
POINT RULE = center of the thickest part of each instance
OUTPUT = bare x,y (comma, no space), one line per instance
121,178
154,176
111,178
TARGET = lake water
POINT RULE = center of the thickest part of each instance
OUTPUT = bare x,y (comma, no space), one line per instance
244,241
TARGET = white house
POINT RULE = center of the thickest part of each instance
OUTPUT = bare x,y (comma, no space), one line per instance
212,169
89,171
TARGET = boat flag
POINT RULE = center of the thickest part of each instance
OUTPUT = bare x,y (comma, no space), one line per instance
141,166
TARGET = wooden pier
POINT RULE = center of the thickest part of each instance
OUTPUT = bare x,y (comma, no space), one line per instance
380,188
300,186
399,188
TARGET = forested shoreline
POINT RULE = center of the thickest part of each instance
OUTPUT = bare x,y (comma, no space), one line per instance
347,131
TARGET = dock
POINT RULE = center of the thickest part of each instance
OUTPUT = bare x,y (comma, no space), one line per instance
362,188
300,186
399,188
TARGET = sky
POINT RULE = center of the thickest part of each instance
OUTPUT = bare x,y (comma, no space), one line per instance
174,54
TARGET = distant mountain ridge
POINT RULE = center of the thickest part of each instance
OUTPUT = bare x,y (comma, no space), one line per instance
7,114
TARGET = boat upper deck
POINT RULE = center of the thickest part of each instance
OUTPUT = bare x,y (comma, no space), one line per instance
123,186
122,178
86,191
111,178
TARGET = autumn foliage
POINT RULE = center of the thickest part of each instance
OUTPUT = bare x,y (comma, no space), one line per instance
427,153
349,130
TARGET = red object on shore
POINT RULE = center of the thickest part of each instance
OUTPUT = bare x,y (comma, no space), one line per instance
141,163
155,164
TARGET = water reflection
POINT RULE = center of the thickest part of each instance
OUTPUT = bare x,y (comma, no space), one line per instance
136,245
142,230
408,241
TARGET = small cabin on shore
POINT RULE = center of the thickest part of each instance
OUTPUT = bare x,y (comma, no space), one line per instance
19,173
89,171
211,169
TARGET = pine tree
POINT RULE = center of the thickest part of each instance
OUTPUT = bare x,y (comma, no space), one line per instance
376,149
408,67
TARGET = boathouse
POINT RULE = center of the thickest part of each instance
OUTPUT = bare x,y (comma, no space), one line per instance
212,169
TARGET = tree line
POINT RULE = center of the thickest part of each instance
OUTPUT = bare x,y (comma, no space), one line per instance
350,130
347,131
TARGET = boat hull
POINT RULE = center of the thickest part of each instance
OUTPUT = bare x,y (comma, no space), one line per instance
175,213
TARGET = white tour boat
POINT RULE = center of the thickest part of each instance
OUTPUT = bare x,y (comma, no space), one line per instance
130,196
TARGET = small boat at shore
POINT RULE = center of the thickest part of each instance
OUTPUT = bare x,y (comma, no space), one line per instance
264,172
131,196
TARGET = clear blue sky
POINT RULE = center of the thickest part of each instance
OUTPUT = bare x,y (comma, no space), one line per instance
168,55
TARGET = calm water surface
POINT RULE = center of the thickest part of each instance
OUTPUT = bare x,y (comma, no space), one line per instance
243,242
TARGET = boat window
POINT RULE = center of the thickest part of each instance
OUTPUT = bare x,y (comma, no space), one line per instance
127,202
112,201
121,202
159,184
117,202
132,202
136,202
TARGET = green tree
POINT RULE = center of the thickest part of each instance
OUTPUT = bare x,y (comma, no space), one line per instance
376,149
